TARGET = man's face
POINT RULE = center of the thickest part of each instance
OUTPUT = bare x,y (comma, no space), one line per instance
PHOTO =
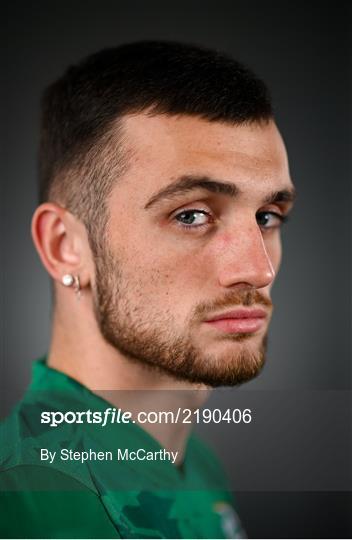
193,246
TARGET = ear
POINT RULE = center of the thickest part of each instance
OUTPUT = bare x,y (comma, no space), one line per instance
60,240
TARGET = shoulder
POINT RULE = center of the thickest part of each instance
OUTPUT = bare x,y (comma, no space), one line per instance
44,501
25,437
41,502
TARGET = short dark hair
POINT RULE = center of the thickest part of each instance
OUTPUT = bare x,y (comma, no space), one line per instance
81,110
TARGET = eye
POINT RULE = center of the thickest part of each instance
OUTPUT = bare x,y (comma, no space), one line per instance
193,218
270,220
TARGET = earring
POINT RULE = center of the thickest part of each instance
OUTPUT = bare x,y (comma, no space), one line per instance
68,280
77,287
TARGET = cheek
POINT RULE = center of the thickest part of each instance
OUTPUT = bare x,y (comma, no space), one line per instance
168,275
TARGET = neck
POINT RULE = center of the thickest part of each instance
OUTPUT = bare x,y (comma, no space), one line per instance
79,350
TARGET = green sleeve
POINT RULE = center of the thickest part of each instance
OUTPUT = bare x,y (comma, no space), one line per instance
65,509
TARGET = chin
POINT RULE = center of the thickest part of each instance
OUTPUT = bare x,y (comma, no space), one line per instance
233,363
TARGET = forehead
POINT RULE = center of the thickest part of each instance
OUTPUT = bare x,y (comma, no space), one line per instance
163,148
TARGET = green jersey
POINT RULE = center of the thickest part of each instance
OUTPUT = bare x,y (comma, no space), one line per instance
75,480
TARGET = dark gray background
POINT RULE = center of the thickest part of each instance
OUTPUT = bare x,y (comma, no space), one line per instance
302,50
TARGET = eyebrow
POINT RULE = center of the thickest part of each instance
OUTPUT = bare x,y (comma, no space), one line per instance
189,183
284,195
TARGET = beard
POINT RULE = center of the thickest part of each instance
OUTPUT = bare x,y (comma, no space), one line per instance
152,338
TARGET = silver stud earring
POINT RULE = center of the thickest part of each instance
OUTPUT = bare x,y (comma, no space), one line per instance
68,280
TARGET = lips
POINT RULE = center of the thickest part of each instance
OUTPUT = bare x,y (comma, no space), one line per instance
239,321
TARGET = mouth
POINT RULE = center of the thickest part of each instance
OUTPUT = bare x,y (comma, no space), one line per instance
239,321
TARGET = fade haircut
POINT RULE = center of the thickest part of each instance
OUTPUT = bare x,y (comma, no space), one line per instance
82,151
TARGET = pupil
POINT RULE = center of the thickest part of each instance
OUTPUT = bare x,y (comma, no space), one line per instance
263,219
187,217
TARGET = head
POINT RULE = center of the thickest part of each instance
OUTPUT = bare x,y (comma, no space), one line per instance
168,158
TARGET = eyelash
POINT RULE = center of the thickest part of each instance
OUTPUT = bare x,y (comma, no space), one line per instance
190,227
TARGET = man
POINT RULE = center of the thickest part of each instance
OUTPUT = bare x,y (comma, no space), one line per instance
164,184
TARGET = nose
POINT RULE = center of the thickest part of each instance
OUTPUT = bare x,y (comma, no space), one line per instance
244,259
